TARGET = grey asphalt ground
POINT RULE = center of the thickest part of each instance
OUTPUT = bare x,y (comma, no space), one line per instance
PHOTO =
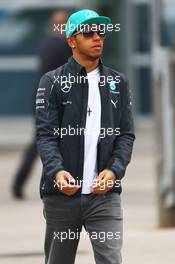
22,225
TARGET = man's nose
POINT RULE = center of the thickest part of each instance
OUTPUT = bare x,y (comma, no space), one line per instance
96,36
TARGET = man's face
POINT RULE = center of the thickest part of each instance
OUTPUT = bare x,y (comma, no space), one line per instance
90,45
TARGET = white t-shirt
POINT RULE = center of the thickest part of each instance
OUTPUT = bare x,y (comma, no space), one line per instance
92,131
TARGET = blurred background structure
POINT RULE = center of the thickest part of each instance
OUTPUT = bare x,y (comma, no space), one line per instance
144,49
53,52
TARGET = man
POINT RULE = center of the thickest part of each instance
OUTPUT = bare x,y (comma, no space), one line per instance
85,139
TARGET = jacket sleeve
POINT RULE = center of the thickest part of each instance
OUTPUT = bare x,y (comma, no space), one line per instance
123,144
47,122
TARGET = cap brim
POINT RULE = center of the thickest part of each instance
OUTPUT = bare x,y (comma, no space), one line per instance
94,20
98,20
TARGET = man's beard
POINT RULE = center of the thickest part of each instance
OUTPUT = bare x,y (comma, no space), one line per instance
94,57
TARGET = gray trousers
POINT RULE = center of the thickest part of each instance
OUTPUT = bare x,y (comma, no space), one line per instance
102,217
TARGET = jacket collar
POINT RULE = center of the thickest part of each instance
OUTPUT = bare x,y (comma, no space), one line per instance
75,67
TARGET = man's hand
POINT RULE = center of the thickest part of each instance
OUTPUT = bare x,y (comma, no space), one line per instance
104,182
64,180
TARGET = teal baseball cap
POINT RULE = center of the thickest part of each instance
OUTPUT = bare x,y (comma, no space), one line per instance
82,17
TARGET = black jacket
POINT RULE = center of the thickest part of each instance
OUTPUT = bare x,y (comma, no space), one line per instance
60,107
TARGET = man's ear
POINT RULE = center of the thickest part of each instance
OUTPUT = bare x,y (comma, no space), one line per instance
71,42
